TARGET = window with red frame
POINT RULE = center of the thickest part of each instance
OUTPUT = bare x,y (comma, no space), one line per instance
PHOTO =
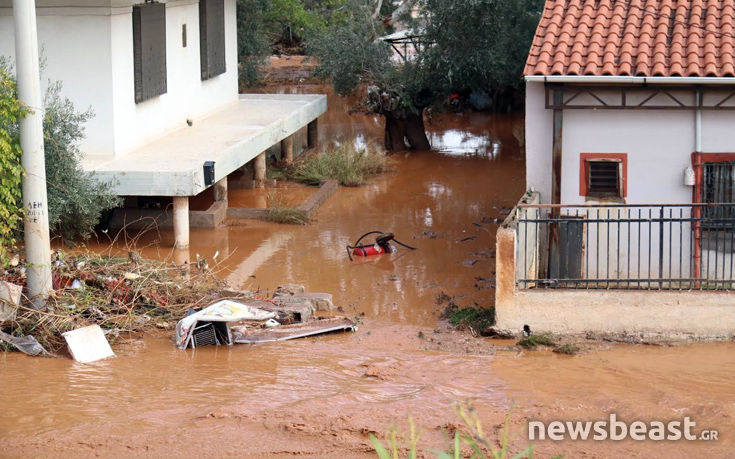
603,175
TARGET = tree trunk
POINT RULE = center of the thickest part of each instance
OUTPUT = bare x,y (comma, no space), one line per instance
400,130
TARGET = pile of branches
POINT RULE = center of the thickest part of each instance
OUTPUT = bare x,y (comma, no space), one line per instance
122,295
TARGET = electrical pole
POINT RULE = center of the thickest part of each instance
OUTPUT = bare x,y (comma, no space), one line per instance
35,204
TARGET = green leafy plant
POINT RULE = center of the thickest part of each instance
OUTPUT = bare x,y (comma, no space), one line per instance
477,320
470,435
11,172
76,200
533,341
252,44
567,349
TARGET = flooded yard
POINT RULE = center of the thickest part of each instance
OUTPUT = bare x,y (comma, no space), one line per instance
322,396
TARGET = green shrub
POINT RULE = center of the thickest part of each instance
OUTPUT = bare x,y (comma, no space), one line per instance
349,166
11,172
252,44
533,341
76,199
568,349
475,319
471,435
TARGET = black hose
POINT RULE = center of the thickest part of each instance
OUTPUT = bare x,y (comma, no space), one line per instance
404,245
357,242
366,234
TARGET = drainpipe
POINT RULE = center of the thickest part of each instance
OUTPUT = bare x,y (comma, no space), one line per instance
35,225
556,146
556,161
697,190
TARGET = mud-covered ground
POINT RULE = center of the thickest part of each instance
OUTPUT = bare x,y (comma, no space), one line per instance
322,397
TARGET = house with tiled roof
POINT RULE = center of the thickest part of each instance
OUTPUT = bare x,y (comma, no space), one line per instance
630,171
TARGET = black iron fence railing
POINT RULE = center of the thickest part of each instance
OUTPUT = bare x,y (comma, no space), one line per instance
671,247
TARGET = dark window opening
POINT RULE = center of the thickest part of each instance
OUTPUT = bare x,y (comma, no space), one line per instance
183,35
149,50
212,37
718,186
603,178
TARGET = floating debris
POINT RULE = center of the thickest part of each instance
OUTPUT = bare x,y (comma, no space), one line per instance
88,344
245,334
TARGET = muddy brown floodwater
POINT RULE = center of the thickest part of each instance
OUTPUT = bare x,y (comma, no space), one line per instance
321,397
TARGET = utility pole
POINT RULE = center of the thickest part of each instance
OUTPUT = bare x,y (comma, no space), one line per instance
35,204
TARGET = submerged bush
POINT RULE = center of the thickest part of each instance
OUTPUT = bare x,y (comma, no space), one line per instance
533,341
477,320
349,166
279,212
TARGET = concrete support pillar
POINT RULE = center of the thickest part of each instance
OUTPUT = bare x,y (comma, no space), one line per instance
220,190
259,166
312,135
181,222
287,150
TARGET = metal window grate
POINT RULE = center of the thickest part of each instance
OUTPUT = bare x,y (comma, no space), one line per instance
603,178
718,187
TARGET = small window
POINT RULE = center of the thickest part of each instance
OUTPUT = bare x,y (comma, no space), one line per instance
149,50
212,37
603,178
718,187
603,175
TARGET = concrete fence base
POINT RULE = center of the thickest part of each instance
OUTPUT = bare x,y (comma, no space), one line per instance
671,314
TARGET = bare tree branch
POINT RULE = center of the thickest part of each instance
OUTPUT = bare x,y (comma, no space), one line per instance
402,9
376,13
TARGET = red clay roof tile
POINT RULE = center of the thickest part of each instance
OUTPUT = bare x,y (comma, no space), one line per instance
641,37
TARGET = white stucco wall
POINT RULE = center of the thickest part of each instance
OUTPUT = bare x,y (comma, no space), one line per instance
187,95
658,143
90,49
76,50
539,134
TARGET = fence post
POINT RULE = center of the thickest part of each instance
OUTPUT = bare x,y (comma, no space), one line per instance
661,247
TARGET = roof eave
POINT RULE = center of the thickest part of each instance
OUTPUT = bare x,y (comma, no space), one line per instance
613,79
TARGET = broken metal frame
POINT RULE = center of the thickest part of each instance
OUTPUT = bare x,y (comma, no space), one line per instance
622,101
417,41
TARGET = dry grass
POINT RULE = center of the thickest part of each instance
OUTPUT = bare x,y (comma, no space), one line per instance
344,163
279,212
122,295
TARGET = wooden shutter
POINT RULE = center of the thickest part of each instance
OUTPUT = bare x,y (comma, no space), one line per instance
149,50
212,37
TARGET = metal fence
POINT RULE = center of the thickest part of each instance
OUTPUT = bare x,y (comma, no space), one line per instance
671,247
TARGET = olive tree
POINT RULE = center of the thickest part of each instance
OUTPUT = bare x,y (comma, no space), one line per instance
468,46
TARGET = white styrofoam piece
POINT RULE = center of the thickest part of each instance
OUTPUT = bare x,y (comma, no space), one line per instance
10,296
88,344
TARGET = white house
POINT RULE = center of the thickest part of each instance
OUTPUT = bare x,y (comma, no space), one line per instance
162,80
630,167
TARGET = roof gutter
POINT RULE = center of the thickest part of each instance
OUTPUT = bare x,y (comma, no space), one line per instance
640,80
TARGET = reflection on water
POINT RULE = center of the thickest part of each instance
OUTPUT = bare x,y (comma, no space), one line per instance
456,142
